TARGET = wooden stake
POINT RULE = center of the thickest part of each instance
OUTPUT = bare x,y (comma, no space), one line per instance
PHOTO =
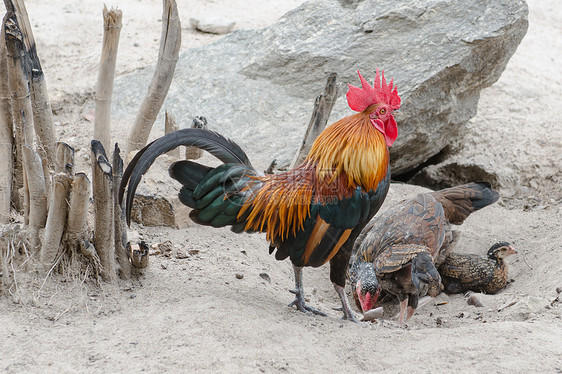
191,152
170,41
170,125
33,166
103,211
119,218
56,220
6,137
112,28
322,109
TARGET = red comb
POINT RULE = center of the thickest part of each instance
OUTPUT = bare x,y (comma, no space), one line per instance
359,99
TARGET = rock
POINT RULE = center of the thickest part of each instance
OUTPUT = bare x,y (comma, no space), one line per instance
258,87
152,210
373,314
239,276
526,308
212,24
474,300
265,277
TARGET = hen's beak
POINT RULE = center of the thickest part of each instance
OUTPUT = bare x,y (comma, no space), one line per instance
511,251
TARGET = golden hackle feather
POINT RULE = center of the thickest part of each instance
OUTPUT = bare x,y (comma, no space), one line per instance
350,153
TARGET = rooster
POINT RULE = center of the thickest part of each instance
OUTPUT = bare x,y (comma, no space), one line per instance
399,251
312,213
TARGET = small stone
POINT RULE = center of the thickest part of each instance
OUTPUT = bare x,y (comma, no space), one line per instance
239,275
180,255
133,295
193,252
474,300
212,25
373,314
265,277
559,289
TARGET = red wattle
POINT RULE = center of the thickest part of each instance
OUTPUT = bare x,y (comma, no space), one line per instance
390,131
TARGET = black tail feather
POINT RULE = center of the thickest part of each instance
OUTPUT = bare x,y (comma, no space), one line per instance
224,149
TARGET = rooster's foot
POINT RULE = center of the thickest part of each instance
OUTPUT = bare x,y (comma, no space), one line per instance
300,303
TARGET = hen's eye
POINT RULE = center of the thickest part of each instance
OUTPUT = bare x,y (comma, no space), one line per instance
382,111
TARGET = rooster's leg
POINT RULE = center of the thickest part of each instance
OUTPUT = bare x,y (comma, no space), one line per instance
346,309
299,295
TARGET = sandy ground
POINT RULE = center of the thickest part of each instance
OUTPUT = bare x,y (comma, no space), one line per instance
189,312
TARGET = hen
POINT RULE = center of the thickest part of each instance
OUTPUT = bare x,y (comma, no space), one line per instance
462,273
312,213
398,251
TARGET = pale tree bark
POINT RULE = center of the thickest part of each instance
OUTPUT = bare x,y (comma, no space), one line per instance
64,159
170,125
18,72
170,41
103,211
6,137
33,166
41,106
119,218
56,220
112,28
322,109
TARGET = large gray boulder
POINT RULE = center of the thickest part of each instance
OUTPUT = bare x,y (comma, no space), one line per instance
258,87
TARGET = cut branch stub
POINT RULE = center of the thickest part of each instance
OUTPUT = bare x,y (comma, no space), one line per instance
119,218
77,227
170,40
36,183
320,115
170,125
64,159
56,220
18,73
112,28
6,137
103,211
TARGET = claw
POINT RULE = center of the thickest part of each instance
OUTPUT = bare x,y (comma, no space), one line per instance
301,304
299,298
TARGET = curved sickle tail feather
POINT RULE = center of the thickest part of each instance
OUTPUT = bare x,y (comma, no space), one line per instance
222,148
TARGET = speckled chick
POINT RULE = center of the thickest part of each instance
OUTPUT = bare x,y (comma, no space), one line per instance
460,273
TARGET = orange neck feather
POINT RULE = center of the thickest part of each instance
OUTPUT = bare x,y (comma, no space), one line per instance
353,147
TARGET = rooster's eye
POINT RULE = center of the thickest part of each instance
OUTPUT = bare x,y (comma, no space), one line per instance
382,111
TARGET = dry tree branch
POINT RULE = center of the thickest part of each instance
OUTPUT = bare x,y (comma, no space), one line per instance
56,220
6,137
112,28
119,218
170,125
103,210
322,109
33,166
18,73
170,40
